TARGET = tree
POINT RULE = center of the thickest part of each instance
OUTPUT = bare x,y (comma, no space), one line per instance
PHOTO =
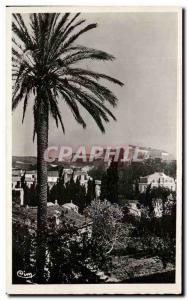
90,195
33,194
97,172
103,194
109,183
43,56
106,223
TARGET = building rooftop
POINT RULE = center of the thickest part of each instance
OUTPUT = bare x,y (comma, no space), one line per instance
157,174
69,205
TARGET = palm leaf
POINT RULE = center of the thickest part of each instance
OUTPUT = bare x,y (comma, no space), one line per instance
25,106
85,54
90,99
95,75
70,100
102,92
23,27
71,21
55,110
57,32
75,36
21,34
65,34
97,112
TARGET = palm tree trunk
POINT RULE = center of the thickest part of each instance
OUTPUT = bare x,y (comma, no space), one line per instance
42,144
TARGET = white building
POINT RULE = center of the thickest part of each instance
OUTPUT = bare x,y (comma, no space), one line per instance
157,179
70,206
97,188
19,195
134,208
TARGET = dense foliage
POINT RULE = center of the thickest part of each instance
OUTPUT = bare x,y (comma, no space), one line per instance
109,237
74,253
78,252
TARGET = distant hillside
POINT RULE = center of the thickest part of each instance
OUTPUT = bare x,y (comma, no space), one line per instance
24,159
24,162
30,162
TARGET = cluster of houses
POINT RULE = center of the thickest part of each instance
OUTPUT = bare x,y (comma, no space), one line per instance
157,179
30,178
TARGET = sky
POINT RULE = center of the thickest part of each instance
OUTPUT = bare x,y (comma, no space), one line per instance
145,47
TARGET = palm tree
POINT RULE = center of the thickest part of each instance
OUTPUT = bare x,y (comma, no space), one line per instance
45,71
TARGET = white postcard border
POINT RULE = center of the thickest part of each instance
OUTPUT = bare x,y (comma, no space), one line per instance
94,289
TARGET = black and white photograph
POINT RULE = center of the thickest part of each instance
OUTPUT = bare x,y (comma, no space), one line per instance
94,184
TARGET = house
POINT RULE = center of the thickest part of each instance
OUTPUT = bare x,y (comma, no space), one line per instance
16,182
30,180
158,207
52,178
78,174
70,206
133,207
30,177
18,196
49,204
83,177
97,188
157,179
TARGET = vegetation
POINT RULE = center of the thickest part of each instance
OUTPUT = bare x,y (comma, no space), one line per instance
104,240
44,57
76,251
121,181
109,184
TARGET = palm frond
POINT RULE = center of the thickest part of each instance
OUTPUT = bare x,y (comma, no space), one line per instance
25,106
18,97
57,33
102,92
54,110
71,21
36,119
35,27
21,31
52,22
17,45
22,78
23,27
65,34
75,36
85,53
60,25
91,104
94,113
95,75
70,100
90,99
23,86
16,53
